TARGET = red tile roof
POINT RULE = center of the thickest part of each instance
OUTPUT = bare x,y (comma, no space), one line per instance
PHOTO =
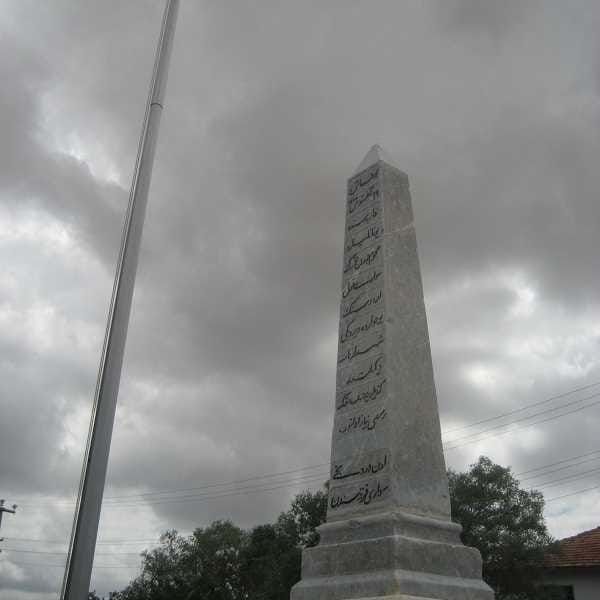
581,550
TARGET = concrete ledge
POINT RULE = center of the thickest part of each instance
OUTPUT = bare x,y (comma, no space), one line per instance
390,523
391,584
391,552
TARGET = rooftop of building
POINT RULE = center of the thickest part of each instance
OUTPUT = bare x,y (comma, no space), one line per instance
581,550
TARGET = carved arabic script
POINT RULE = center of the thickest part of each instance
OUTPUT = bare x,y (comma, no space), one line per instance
363,219
363,422
356,261
372,467
358,350
365,494
370,234
354,327
368,394
359,182
362,301
374,367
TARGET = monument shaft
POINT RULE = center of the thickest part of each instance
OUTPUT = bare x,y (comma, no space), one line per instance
386,448
388,534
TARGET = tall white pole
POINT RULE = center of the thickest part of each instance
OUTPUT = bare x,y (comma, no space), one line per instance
78,571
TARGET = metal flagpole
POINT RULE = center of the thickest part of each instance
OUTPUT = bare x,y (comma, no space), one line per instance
91,488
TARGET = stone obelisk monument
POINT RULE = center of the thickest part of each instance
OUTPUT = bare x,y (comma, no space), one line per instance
388,533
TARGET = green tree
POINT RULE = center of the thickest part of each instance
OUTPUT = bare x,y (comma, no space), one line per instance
270,564
94,596
204,566
223,562
505,523
307,511
273,554
216,562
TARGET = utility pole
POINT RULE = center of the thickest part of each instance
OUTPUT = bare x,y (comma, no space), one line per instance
4,509
78,570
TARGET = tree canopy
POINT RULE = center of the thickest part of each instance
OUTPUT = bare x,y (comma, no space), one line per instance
224,562
505,523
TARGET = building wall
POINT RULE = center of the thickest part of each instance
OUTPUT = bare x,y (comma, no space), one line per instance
585,582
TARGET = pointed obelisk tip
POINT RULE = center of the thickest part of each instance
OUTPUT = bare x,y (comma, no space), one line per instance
374,155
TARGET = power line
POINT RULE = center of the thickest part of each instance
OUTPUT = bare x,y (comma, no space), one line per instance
575,476
245,490
285,483
154,540
126,499
573,493
123,566
518,410
476,435
110,542
29,564
154,497
137,566
115,542
137,499
65,553
308,479
201,497
477,439
542,412
241,491
575,464
559,462
226,483
208,485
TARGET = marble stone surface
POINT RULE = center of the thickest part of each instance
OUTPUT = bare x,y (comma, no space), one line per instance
388,532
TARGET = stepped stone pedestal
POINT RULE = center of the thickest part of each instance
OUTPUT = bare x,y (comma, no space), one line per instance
388,534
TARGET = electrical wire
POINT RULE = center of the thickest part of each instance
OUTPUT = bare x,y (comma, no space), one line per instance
575,476
522,409
197,497
29,564
573,493
582,462
520,428
477,435
65,552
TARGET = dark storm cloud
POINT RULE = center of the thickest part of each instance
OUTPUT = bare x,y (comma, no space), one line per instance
494,19
32,175
230,361
541,198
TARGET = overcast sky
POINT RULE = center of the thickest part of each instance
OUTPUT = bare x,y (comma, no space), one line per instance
493,110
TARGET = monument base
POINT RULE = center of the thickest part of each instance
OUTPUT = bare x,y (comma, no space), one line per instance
391,556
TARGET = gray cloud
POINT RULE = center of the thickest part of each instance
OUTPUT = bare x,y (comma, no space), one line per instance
490,109
496,20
